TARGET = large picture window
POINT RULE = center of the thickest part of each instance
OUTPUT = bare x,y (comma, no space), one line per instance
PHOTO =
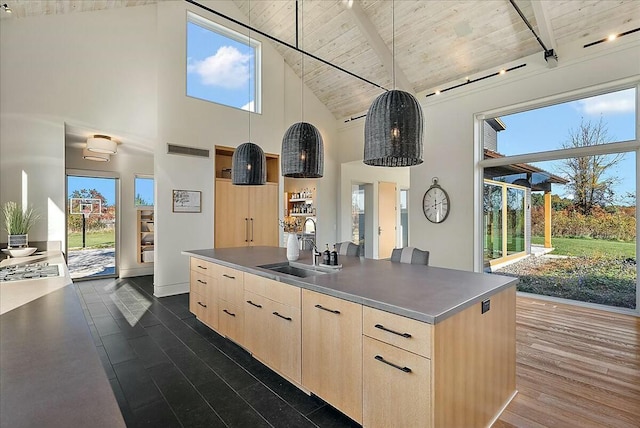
559,198
223,66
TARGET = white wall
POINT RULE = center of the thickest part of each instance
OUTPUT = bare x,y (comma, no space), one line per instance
94,68
450,149
197,123
124,165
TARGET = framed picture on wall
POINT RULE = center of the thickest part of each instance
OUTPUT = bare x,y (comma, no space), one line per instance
187,201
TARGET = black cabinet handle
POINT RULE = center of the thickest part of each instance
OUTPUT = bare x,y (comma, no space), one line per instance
382,360
333,311
254,304
246,229
202,267
251,229
283,317
202,282
228,276
381,327
228,313
201,304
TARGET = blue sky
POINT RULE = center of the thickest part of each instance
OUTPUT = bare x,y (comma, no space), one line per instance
548,128
219,69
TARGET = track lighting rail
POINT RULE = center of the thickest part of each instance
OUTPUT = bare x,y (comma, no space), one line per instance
290,46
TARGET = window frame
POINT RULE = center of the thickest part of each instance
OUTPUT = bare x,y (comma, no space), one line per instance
610,148
238,37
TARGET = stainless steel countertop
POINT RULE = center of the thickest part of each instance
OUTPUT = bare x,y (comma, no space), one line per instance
424,293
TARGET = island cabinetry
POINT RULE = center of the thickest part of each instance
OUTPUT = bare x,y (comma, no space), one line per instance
203,293
273,329
396,370
230,283
332,351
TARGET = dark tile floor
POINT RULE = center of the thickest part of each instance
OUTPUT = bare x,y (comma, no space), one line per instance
169,370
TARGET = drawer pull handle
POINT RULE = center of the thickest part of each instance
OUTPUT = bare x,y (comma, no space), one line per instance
404,369
254,304
283,317
201,304
202,267
228,313
333,311
228,276
202,282
381,327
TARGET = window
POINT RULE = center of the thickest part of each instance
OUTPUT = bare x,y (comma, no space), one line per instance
560,185
223,66
143,189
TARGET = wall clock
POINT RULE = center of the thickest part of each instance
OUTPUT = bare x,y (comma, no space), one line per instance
435,203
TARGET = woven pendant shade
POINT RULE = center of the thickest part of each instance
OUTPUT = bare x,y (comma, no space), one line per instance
393,131
302,153
248,165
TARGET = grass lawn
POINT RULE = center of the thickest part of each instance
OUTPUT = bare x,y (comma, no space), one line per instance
99,239
589,247
596,271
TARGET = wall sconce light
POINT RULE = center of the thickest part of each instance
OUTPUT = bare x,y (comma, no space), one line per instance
102,144
95,156
6,8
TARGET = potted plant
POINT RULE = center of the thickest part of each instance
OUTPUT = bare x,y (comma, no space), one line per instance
18,223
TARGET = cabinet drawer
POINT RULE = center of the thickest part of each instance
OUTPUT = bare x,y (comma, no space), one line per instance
230,284
201,266
396,386
231,321
200,283
204,308
403,332
277,291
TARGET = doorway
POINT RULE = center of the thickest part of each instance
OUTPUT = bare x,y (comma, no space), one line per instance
91,217
386,219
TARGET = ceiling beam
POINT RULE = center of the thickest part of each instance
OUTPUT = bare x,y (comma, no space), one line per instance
544,24
378,45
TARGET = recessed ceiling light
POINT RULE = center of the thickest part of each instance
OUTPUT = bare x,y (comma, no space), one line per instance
503,71
612,37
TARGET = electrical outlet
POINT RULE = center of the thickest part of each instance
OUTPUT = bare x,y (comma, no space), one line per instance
486,305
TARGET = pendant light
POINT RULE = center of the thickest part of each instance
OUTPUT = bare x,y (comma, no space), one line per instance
393,127
302,154
248,163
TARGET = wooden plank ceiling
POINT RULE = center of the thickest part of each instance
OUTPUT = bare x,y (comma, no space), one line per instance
433,42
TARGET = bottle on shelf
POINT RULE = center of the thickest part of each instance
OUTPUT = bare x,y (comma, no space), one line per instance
326,256
333,257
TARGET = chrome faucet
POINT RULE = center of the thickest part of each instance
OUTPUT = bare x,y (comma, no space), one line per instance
314,250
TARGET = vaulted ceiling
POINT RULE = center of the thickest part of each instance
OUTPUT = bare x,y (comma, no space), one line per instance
424,44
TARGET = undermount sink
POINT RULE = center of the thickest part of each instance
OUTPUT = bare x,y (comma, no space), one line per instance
298,269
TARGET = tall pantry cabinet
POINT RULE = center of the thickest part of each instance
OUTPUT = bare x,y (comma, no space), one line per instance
245,215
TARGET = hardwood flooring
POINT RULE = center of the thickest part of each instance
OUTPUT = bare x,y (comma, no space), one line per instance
576,367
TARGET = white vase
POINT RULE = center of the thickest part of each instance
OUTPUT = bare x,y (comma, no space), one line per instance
293,250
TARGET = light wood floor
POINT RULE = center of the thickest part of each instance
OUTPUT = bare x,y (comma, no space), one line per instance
576,367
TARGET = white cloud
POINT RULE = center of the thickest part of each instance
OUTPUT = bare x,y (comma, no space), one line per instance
249,106
617,102
227,68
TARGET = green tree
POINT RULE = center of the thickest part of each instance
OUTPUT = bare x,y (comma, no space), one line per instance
589,181
140,201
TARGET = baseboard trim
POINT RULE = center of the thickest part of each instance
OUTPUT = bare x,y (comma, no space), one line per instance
129,273
170,290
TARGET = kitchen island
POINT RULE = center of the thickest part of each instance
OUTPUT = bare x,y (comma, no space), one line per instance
388,344
50,371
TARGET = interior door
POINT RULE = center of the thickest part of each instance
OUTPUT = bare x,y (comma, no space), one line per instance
386,219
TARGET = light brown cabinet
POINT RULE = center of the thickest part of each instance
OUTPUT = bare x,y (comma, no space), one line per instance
203,293
273,328
245,215
396,370
332,351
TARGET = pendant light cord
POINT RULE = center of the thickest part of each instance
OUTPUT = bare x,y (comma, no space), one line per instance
301,60
393,42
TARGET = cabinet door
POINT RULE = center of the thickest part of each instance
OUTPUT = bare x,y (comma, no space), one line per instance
230,284
263,215
203,299
285,341
231,321
332,351
256,328
396,385
231,215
